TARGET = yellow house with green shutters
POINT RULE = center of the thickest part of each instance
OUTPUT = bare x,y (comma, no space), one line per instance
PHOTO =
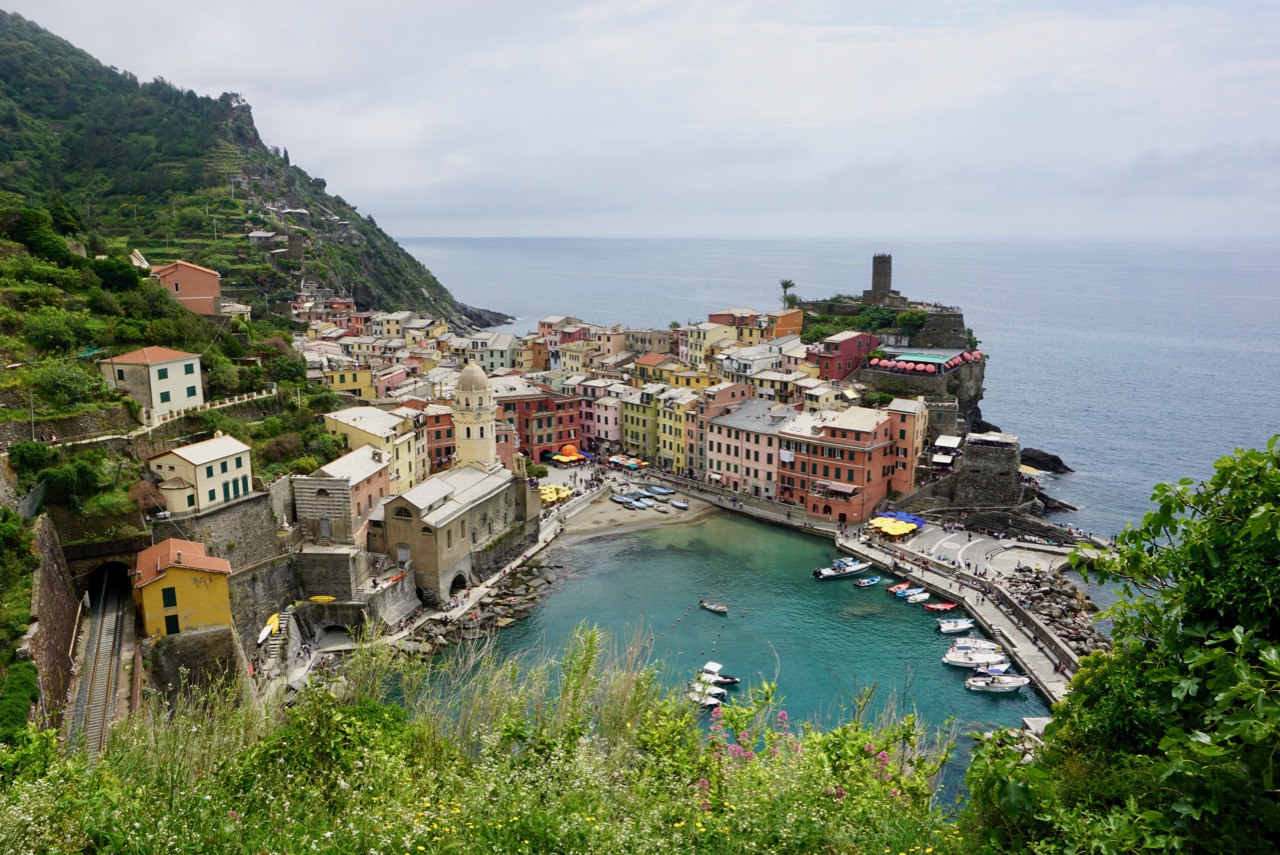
177,588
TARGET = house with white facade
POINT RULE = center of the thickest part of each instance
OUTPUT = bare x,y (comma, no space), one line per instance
160,379
205,474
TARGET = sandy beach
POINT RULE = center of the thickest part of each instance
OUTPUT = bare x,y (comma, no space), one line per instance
605,516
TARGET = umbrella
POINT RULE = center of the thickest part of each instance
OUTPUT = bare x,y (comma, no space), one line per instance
931,369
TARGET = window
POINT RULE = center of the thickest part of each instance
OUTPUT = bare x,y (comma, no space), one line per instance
213,495
162,373
189,368
239,463
224,466
191,500
119,373
176,287
164,397
169,597
171,625
208,472
191,391
403,513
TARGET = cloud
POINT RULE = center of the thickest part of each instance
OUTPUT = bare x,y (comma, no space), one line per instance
803,117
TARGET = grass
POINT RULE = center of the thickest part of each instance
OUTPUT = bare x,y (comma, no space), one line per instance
584,755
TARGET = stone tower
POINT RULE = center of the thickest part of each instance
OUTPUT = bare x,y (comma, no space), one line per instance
881,273
474,417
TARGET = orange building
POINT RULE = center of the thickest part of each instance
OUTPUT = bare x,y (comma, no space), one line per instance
178,587
194,287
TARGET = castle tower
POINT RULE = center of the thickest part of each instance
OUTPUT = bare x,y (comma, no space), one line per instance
882,273
474,417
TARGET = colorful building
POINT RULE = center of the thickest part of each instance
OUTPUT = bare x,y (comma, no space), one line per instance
837,356
195,288
177,587
391,434
162,380
205,474
837,466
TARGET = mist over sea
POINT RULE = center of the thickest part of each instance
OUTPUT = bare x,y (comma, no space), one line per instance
1135,362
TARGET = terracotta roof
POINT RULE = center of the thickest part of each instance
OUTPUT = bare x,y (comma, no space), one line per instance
150,356
652,359
157,269
154,561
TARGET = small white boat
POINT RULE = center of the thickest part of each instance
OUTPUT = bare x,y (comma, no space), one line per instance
706,684
698,696
868,582
996,683
679,505
975,644
950,625
993,670
661,509
642,502
918,598
718,608
840,569
712,670
909,592
974,658
658,491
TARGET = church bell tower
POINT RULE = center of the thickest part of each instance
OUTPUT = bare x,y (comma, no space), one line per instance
474,418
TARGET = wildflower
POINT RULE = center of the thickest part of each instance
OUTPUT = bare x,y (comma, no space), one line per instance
703,784
883,758
871,749
679,824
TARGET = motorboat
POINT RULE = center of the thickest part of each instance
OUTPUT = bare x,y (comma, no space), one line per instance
909,592
712,670
679,505
868,581
974,658
950,625
918,598
992,670
975,644
718,608
900,586
940,607
840,569
699,696
996,683
703,683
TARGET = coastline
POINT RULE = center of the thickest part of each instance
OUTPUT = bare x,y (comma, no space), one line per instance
602,516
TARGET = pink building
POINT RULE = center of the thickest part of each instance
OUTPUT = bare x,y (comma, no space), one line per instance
837,356
196,288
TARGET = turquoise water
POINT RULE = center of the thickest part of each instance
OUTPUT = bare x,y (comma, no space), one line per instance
821,641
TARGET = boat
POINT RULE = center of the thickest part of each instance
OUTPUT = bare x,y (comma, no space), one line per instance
718,608
664,499
940,607
271,628
868,581
975,644
642,502
620,499
908,592
996,683
679,505
661,509
712,670
841,569
950,625
901,586
992,670
659,491
322,598
702,698
705,684
918,598
974,658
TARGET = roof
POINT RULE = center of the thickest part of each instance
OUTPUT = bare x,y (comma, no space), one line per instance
199,453
155,560
150,356
440,498
371,420
162,268
653,359
356,465
738,312
758,415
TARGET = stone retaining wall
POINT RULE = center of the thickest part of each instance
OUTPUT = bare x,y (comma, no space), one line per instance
242,532
258,592
112,420
54,606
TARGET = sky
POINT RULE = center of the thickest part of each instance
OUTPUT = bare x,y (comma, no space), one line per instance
749,119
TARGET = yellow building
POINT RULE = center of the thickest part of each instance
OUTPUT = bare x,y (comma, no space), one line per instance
640,420
693,378
676,416
575,357
178,587
389,433
702,338
355,381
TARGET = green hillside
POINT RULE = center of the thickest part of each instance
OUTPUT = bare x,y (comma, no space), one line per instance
125,165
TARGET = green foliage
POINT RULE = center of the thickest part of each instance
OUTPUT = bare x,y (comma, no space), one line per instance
16,558
876,399
33,228
911,320
71,483
63,383
27,458
21,689
117,274
537,470
1170,740
50,328
868,319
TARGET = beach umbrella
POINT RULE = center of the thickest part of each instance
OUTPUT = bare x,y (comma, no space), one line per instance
968,357
920,366
875,361
569,450
931,369
977,354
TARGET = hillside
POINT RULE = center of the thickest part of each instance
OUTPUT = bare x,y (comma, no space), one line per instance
152,167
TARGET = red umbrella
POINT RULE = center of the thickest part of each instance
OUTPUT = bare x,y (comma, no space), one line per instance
875,361
920,366
968,357
977,354
931,369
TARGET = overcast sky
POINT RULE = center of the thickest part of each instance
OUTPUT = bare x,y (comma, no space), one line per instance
796,118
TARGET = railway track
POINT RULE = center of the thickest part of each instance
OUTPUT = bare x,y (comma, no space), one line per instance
96,705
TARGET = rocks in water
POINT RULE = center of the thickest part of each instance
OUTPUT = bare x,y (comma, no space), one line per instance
1044,461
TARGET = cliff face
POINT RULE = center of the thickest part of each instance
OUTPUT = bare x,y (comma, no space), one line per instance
175,174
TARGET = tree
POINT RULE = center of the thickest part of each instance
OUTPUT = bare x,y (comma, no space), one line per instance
147,496
1170,739
787,285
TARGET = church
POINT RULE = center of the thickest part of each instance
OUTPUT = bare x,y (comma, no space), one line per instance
460,526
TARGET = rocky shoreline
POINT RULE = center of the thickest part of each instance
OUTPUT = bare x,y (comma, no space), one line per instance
1062,606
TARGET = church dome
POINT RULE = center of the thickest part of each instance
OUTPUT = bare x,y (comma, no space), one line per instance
473,379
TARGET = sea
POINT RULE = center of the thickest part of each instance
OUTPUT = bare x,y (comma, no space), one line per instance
1137,363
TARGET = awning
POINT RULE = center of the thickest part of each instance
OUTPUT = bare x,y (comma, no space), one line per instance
942,459
821,485
846,489
715,476
948,442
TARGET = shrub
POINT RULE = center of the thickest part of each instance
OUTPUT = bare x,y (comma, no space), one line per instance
21,689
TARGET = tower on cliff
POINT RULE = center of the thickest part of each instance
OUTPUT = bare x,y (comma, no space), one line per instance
882,293
474,419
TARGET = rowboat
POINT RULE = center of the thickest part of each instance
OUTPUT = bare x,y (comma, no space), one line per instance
908,592
868,582
718,608
322,598
679,505
901,586
940,607
918,598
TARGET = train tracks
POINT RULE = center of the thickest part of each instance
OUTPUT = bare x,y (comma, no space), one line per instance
96,701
